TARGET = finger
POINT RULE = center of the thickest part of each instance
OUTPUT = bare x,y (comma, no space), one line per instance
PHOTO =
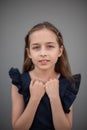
32,82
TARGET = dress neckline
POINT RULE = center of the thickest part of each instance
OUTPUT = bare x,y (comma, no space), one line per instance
58,77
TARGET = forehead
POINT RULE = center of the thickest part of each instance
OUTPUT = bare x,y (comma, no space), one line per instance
43,35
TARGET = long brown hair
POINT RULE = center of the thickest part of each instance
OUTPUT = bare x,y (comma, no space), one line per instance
62,66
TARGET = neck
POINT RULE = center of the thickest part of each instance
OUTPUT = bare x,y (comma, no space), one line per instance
43,75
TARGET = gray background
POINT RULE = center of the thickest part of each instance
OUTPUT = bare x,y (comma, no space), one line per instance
16,18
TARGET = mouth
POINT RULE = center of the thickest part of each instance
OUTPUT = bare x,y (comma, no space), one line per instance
43,62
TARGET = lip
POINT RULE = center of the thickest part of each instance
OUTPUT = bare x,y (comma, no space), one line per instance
44,61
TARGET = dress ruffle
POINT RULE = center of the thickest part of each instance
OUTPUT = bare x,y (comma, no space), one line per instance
16,77
68,91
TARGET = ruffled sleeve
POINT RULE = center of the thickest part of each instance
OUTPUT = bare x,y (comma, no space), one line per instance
69,94
15,75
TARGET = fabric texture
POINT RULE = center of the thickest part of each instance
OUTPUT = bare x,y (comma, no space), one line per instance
67,90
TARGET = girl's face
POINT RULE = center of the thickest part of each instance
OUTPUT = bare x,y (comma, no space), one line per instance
44,49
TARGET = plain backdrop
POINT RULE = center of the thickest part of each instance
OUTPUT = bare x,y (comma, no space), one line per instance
16,18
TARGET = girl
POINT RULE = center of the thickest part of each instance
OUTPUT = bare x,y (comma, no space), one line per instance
42,96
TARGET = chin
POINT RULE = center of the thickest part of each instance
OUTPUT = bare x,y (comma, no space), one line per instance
45,68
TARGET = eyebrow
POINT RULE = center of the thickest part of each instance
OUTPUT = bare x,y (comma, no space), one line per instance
34,44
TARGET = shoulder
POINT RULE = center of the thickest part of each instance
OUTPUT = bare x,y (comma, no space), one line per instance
19,79
69,90
73,83
16,75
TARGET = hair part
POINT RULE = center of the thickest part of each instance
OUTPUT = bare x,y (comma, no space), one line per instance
62,66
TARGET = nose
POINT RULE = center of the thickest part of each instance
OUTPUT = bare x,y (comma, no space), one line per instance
43,52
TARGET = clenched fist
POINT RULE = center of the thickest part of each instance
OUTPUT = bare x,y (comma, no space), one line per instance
37,89
52,88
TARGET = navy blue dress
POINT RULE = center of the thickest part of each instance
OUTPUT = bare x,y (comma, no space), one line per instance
43,117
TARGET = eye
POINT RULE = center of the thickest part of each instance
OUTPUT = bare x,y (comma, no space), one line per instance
50,46
36,47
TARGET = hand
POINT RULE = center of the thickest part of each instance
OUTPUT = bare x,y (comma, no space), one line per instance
52,88
37,89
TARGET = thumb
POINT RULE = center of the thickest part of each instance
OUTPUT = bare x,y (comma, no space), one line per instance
32,82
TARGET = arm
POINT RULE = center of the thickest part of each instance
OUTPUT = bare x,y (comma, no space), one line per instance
61,120
22,118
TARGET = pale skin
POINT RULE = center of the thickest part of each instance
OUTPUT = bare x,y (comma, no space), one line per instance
40,52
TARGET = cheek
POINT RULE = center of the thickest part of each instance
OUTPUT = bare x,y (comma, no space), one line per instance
34,57
54,57
32,54
34,60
